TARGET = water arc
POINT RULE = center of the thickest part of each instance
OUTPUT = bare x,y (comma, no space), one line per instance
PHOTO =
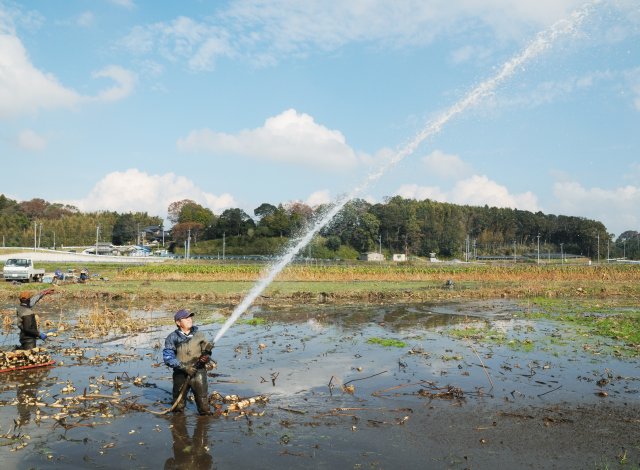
537,46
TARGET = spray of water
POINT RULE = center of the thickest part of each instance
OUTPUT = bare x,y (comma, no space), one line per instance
542,42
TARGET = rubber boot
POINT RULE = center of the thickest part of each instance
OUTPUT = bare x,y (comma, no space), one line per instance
200,392
179,378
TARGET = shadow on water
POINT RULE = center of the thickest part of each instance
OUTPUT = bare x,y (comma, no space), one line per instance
457,385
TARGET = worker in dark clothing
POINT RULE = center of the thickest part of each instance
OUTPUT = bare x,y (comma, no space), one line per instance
27,323
187,352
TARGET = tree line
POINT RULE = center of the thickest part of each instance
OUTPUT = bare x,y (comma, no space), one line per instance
396,225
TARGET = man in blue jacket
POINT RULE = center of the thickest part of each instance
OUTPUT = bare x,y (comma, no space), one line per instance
187,352
27,319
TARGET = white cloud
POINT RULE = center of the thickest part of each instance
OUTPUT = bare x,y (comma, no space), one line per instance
30,140
617,208
199,43
319,197
289,137
474,191
124,83
26,90
23,88
135,190
445,165
266,32
414,191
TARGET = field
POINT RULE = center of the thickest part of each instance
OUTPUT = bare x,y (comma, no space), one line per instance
360,366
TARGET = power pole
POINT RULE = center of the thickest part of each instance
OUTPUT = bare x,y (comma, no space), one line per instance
189,244
35,234
538,248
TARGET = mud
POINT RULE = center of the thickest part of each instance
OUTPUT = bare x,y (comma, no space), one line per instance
547,397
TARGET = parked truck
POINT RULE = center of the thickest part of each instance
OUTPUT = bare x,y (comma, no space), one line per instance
21,269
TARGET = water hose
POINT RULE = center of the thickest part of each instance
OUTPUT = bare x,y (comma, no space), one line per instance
183,390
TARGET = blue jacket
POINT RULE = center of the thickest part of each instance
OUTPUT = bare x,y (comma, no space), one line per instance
178,341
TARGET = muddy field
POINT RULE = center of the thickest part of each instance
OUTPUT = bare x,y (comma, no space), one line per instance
345,387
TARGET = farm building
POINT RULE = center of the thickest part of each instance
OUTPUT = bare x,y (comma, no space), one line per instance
371,256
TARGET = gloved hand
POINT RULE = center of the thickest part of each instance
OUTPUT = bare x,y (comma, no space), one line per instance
190,370
43,336
204,359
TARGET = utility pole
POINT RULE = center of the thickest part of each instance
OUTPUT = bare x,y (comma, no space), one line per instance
35,234
54,240
162,228
97,237
380,243
224,241
514,252
561,253
598,235
189,244
538,248
40,236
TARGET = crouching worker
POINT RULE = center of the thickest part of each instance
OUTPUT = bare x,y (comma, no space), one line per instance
187,352
27,322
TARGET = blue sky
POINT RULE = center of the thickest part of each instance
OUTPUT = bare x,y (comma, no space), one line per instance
129,105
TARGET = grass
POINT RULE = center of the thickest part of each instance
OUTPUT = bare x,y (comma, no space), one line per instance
387,342
613,318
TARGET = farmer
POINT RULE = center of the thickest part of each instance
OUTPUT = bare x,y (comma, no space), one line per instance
27,319
187,352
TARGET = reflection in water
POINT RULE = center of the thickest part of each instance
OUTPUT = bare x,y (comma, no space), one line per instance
189,452
27,383
397,317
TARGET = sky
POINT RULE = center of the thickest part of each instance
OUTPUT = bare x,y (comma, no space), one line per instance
130,105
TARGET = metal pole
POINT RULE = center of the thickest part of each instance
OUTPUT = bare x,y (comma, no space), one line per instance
538,248
224,234
561,254
189,244
598,234
35,233
514,251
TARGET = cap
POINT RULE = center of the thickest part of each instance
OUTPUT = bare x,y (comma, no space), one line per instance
181,314
25,295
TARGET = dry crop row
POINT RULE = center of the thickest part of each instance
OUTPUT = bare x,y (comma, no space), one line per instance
372,272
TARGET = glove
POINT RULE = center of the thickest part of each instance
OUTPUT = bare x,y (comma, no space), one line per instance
190,370
204,359
43,336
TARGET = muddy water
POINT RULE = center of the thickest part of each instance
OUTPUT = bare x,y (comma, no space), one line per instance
545,397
